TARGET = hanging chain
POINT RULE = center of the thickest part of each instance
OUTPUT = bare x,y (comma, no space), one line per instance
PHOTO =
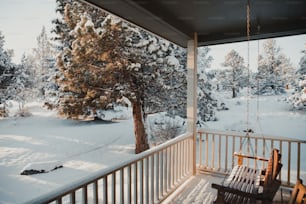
248,66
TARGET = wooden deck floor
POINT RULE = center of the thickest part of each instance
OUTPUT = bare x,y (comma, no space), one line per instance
197,190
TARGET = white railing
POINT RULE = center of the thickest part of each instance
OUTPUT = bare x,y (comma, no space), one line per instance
150,177
215,152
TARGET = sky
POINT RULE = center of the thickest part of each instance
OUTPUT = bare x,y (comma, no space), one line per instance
22,21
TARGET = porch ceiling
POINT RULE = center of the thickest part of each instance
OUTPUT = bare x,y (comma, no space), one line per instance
215,22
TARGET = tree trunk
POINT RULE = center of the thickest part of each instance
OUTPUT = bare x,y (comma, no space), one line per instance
141,139
234,92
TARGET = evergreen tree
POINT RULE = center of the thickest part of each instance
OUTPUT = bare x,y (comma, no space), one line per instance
43,59
23,81
7,72
70,12
236,75
271,67
206,102
105,62
298,98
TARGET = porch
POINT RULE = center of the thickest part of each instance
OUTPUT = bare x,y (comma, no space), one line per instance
180,170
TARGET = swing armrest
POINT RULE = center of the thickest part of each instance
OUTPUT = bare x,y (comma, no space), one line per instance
242,156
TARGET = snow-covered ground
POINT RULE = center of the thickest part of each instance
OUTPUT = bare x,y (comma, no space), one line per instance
269,115
82,148
85,147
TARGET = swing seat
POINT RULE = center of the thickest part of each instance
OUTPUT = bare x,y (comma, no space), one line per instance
246,185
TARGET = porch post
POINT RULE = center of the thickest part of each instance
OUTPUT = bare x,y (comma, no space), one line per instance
192,93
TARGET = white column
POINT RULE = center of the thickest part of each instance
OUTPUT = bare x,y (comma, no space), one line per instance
192,94
192,85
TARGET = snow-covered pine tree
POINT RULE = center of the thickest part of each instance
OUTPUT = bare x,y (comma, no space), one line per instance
236,75
285,71
70,12
7,72
98,72
23,82
164,61
139,63
44,58
298,98
269,69
206,101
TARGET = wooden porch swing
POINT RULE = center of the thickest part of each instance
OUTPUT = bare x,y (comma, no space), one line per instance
245,184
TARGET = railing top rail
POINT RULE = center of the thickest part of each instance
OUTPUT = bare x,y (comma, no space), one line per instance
252,135
104,172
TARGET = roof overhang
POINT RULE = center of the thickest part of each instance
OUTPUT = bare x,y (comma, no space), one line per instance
215,22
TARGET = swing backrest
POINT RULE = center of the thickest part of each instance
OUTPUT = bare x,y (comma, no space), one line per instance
273,167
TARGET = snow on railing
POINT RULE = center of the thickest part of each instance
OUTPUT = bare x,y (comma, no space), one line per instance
215,152
147,178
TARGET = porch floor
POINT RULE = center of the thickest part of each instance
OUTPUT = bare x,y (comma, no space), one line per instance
198,190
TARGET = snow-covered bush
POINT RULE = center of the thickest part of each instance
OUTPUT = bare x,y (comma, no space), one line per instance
162,127
24,112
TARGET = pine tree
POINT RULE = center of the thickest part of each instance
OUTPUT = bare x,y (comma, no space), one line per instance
43,61
298,98
105,62
96,76
235,61
206,101
271,67
7,72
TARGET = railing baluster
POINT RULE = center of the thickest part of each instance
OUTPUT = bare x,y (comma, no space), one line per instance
298,160
219,153
206,149
72,197
213,151
200,150
105,190
226,153
129,193
59,200
157,176
165,172
85,195
147,180
289,163
281,151
172,166
141,188
96,192
122,186
114,187
152,178
135,182
168,168
233,151
161,182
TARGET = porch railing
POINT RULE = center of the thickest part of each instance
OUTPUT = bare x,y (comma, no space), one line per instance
215,152
148,178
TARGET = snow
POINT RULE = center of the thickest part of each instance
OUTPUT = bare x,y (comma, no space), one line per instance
268,115
84,147
173,61
81,147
